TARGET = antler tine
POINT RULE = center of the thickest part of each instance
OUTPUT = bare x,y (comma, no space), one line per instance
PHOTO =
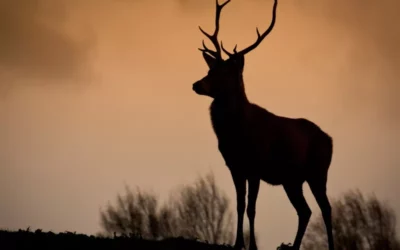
205,49
227,52
214,37
260,37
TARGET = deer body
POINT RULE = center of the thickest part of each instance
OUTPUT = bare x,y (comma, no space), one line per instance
257,144
275,148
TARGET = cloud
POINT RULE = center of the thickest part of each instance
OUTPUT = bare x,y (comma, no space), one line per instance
36,40
371,36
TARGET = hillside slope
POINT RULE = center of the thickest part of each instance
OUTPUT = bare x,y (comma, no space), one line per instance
10,240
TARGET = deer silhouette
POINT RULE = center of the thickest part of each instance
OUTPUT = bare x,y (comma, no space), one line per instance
257,144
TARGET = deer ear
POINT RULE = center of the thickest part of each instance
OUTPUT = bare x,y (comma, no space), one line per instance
211,61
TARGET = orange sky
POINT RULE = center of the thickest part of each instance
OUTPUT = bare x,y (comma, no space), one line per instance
95,94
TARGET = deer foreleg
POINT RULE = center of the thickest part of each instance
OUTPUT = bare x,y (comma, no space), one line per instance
240,186
254,185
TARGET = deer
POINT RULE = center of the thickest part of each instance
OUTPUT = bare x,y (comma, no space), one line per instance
257,144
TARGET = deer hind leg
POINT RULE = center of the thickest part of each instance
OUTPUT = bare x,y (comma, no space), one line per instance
240,185
318,188
254,185
296,197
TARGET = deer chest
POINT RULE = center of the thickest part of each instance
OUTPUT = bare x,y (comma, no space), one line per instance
234,141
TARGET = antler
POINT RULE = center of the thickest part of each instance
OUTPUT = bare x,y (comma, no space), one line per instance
214,37
260,37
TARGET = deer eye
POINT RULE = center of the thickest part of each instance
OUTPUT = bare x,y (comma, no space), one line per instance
211,72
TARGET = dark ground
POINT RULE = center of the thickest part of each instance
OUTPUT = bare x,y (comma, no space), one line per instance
24,239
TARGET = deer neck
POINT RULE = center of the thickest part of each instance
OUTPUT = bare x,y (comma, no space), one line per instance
232,104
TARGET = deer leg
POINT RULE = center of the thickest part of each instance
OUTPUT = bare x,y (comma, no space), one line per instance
296,197
254,185
319,191
240,186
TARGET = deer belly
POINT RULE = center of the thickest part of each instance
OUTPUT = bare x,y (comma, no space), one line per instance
278,169
279,174
272,166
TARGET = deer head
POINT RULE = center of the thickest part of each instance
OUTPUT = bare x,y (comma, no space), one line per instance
224,77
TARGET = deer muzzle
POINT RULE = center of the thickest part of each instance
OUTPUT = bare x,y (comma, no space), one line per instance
200,87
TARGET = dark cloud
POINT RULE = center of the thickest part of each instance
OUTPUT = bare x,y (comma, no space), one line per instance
372,29
202,5
375,23
35,42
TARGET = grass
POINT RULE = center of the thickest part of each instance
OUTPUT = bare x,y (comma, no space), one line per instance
26,239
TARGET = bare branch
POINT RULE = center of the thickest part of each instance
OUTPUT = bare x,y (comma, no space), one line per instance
200,210
358,223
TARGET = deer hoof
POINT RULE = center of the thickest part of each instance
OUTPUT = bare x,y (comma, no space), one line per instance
284,246
253,248
239,247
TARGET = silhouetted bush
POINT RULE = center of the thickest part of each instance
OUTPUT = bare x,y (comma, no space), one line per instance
359,223
199,211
